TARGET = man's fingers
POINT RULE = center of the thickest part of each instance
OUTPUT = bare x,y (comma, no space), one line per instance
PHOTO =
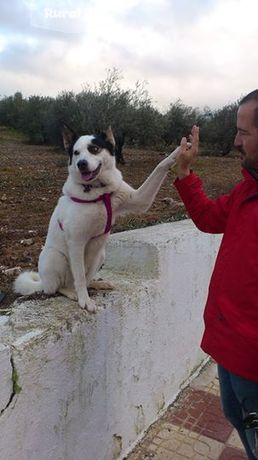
195,134
195,130
183,143
194,140
194,137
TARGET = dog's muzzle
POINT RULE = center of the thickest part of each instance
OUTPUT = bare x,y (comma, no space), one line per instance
83,166
85,172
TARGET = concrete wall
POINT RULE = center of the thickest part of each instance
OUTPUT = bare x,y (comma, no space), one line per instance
75,386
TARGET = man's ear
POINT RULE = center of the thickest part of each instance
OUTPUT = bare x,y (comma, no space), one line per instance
69,137
110,136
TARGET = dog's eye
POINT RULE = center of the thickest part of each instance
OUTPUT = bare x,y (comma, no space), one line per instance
76,152
94,149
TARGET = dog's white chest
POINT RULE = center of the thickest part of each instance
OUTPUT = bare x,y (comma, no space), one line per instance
82,219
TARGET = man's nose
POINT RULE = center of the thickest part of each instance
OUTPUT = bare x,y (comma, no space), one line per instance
237,141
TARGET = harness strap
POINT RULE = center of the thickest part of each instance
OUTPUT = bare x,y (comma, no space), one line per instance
107,203
106,198
78,200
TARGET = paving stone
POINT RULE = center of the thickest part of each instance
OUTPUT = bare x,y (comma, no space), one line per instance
200,411
163,454
232,454
164,433
234,441
141,454
209,448
186,450
193,428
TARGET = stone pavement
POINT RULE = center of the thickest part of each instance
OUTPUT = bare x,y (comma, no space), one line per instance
193,427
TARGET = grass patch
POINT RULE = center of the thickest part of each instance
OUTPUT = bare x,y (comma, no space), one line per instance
11,135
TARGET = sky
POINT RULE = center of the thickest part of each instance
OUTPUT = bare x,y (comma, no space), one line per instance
204,52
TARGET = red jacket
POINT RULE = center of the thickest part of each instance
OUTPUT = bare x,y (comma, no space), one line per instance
231,312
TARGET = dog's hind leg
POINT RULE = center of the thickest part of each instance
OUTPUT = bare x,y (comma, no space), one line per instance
70,293
53,270
94,259
102,285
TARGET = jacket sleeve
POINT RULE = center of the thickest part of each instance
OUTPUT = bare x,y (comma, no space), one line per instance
207,214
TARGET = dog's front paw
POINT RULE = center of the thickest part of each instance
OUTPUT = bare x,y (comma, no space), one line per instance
87,303
91,306
171,159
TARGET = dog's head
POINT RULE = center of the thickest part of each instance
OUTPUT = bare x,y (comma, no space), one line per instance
89,155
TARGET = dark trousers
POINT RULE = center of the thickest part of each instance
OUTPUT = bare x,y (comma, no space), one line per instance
239,398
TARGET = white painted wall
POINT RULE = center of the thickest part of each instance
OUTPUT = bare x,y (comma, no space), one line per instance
89,385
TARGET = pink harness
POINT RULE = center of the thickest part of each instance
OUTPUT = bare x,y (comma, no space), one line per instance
106,198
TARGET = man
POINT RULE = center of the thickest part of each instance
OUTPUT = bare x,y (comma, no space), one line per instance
231,312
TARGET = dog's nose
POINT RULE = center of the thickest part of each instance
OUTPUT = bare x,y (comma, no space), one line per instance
82,165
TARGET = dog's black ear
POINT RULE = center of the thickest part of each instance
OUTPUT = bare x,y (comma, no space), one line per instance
109,136
69,137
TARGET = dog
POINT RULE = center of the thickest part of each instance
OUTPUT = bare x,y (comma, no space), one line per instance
94,195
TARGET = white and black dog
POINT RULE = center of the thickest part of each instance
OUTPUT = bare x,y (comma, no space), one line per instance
94,194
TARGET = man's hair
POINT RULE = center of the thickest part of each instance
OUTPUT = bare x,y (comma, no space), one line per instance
253,96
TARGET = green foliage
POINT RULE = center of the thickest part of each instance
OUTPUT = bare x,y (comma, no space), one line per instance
218,128
178,122
35,116
12,110
16,387
11,135
130,112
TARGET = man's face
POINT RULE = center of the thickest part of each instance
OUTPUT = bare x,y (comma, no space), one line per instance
246,140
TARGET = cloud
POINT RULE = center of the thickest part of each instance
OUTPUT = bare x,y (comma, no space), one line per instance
203,52
10,22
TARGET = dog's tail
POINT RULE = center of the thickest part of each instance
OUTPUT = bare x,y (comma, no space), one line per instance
27,283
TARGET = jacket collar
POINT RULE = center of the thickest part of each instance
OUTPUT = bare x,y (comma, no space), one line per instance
249,175
253,172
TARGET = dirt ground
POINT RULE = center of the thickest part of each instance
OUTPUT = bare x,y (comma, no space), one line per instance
31,179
